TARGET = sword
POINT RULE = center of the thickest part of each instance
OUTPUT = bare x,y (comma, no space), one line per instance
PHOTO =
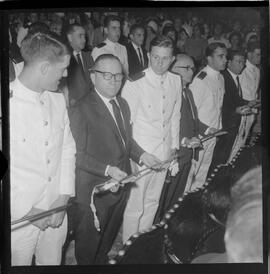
39,215
213,135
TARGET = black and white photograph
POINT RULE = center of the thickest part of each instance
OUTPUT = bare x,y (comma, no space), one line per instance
135,136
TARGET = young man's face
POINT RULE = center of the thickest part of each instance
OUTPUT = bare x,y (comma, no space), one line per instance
160,59
237,64
54,73
137,37
218,59
77,38
255,57
113,31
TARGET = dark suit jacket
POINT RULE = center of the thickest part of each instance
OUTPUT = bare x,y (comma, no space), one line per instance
231,101
134,64
79,83
99,144
189,126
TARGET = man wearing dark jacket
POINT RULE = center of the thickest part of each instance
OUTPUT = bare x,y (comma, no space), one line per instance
100,124
137,55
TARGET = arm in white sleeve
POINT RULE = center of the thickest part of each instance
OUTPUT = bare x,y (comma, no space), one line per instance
131,95
67,177
175,124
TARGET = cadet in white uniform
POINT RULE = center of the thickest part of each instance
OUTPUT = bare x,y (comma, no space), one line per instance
154,100
208,90
42,152
249,80
111,45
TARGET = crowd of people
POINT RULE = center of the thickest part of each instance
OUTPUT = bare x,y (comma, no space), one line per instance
95,97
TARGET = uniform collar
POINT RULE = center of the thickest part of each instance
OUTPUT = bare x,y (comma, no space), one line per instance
25,93
110,43
212,71
249,65
155,77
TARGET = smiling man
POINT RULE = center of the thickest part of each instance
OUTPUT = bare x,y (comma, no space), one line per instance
42,151
208,91
154,100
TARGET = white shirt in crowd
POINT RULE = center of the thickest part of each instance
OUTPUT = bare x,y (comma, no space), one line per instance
42,149
208,96
115,49
249,80
155,103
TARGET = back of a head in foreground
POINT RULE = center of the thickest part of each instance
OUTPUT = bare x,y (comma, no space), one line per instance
43,46
243,237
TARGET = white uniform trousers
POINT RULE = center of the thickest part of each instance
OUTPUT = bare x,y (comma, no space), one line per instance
203,163
143,203
45,245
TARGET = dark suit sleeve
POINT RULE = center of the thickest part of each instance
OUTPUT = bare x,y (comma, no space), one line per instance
79,129
136,151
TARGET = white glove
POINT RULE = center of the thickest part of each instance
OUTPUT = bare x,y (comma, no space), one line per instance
174,168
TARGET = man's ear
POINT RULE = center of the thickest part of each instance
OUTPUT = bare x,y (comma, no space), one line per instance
69,37
44,67
106,30
173,58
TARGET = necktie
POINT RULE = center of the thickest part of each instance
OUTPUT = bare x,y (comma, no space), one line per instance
79,60
140,56
187,96
239,87
119,120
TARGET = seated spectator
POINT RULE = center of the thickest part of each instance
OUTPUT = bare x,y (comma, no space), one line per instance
185,33
170,31
196,45
151,33
217,36
235,40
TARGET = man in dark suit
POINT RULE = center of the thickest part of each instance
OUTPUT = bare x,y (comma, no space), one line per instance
190,129
137,55
234,106
100,124
78,79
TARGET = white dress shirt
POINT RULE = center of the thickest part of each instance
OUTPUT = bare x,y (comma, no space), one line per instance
249,80
234,77
42,149
155,103
208,96
115,49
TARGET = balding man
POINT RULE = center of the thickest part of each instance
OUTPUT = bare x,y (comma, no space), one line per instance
100,124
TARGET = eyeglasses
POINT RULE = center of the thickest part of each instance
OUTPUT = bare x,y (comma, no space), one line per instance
108,75
187,68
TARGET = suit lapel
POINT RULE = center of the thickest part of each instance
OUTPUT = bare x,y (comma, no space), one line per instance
108,119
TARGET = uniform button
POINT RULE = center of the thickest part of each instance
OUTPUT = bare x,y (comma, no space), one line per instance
49,179
48,161
41,102
23,140
163,96
45,123
162,82
163,111
164,139
46,143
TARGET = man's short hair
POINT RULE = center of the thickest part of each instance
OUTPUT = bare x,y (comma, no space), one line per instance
38,27
71,28
134,27
109,19
104,57
42,46
161,41
232,53
251,46
235,33
210,49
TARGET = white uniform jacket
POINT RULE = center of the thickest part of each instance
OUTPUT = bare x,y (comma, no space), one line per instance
208,91
42,149
115,49
249,81
155,103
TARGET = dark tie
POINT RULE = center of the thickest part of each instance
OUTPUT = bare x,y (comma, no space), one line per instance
79,60
119,120
140,56
239,87
187,96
